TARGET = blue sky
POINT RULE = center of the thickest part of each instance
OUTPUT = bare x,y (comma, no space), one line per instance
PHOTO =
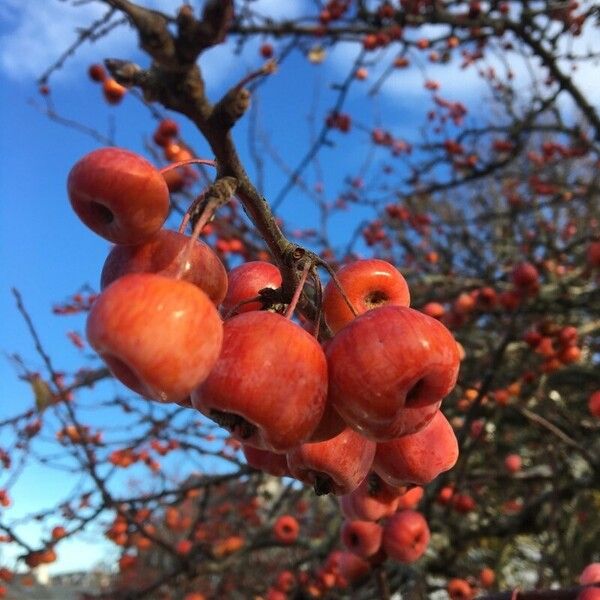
48,254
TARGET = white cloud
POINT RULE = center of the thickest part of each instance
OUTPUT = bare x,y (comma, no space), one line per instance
39,32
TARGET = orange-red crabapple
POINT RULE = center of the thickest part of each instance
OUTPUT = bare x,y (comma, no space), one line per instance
363,538
159,336
406,536
372,500
368,284
460,589
113,92
418,458
286,529
97,73
336,466
487,577
119,195
173,255
245,283
269,385
389,369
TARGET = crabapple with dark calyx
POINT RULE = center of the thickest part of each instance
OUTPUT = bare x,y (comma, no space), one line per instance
336,466
269,385
372,500
406,536
169,253
119,195
389,369
420,457
368,284
286,529
460,589
363,538
245,283
159,336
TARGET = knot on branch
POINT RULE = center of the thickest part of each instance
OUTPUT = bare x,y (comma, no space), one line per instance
219,193
230,108
125,73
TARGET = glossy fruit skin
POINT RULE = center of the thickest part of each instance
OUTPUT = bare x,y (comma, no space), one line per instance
362,538
368,284
271,373
420,457
158,336
244,283
375,364
406,536
267,461
337,466
330,425
119,195
164,254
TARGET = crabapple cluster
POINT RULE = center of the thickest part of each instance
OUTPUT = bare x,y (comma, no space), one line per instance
356,414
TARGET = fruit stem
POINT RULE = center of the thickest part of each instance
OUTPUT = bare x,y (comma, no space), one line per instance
267,69
206,216
189,161
335,279
294,302
233,311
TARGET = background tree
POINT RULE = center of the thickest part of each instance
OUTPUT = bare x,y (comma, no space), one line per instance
491,215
